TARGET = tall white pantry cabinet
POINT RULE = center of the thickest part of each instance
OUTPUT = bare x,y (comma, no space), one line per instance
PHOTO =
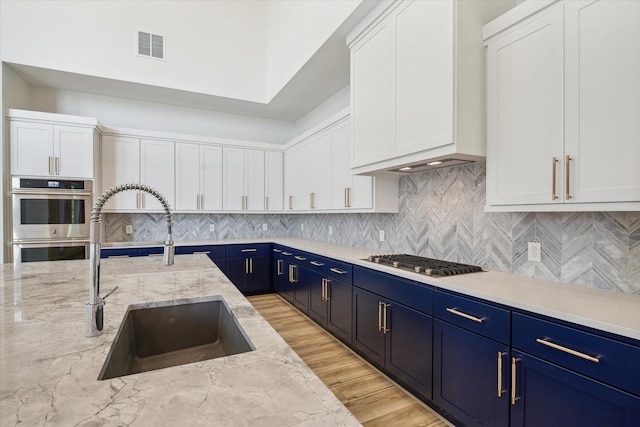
563,107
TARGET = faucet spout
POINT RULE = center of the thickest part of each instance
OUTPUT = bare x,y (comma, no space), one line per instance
95,306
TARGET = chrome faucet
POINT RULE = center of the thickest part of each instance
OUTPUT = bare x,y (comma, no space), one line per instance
95,306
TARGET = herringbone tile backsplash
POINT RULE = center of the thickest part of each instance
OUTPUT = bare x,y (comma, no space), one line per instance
442,216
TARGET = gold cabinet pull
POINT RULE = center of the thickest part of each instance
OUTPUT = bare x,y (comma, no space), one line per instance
554,167
57,165
312,200
50,165
286,253
380,316
279,269
249,250
251,265
290,202
335,270
568,350
266,203
347,197
292,274
316,263
513,380
385,327
465,315
500,354
326,289
277,250
567,176
300,258
246,266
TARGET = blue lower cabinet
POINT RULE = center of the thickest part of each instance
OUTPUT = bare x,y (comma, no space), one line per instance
280,269
251,275
339,305
395,337
548,395
299,279
470,376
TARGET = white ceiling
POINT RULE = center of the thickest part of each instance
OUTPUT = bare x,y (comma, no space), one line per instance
325,74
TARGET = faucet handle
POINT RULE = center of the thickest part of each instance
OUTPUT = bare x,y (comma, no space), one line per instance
109,293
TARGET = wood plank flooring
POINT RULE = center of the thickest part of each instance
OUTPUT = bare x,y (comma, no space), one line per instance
371,397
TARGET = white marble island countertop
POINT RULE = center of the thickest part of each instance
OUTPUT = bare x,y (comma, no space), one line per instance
49,369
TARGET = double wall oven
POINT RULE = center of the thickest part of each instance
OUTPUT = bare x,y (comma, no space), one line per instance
50,219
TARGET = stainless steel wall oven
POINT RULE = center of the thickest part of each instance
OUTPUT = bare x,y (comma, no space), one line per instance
50,219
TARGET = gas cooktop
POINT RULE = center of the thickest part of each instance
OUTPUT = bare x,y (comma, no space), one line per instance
423,265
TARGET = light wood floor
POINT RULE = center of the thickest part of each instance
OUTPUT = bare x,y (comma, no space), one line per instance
371,397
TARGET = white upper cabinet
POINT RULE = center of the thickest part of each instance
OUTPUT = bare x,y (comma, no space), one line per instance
128,160
198,177
40,146
244,179
563,101
417,83
318,175
273,181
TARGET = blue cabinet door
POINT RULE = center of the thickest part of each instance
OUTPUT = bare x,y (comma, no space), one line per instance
547,395
340,306
282,272
300,284
367,336
467,371
317,303
257,279
236,271
409,347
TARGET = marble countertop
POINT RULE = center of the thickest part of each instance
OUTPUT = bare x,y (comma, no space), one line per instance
614,312
49,369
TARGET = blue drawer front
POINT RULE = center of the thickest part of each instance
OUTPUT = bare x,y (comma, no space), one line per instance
248,250
157,250
483,319
118,252
407,292
317,263
213,251
340,271
618,364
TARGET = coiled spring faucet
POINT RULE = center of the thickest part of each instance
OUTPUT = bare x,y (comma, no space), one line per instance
95,306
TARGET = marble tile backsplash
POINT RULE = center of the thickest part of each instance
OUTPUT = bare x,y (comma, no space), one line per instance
442,216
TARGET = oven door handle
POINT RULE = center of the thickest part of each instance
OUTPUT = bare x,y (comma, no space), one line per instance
51,193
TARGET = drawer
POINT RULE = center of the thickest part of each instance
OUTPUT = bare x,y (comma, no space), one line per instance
154,251
393,288
317,263
118,252
604,359
248,250
340,271
484,319
213,251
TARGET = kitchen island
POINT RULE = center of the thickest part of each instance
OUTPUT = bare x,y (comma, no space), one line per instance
49,369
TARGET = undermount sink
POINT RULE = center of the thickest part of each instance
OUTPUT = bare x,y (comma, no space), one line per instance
162,334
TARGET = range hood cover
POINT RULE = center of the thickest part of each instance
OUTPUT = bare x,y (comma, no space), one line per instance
431,165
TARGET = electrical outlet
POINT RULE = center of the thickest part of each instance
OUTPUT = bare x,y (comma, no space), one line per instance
128,229
212,227
330,230
382,235
265,227
534,252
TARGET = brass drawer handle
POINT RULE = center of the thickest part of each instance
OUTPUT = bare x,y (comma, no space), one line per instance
249,250
568,176
500,354
513,380
287,253
568,350
554,167
300,258
277,250
465,315
335,270
316,263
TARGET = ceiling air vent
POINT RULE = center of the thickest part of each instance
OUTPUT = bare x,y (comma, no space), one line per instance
151,45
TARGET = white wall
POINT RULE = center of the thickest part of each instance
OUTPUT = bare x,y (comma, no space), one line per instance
14,93
331,106
119,112
295,31
213,47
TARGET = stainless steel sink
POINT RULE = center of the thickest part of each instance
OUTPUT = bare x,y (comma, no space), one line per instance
162,334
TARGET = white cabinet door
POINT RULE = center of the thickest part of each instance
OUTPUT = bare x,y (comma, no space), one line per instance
273,184
187,176
73,151
210,178
371,95
603,100
293,169
315,176
233,172
525,113
157,171
348,191
121,165
31,149
254,180
423,80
